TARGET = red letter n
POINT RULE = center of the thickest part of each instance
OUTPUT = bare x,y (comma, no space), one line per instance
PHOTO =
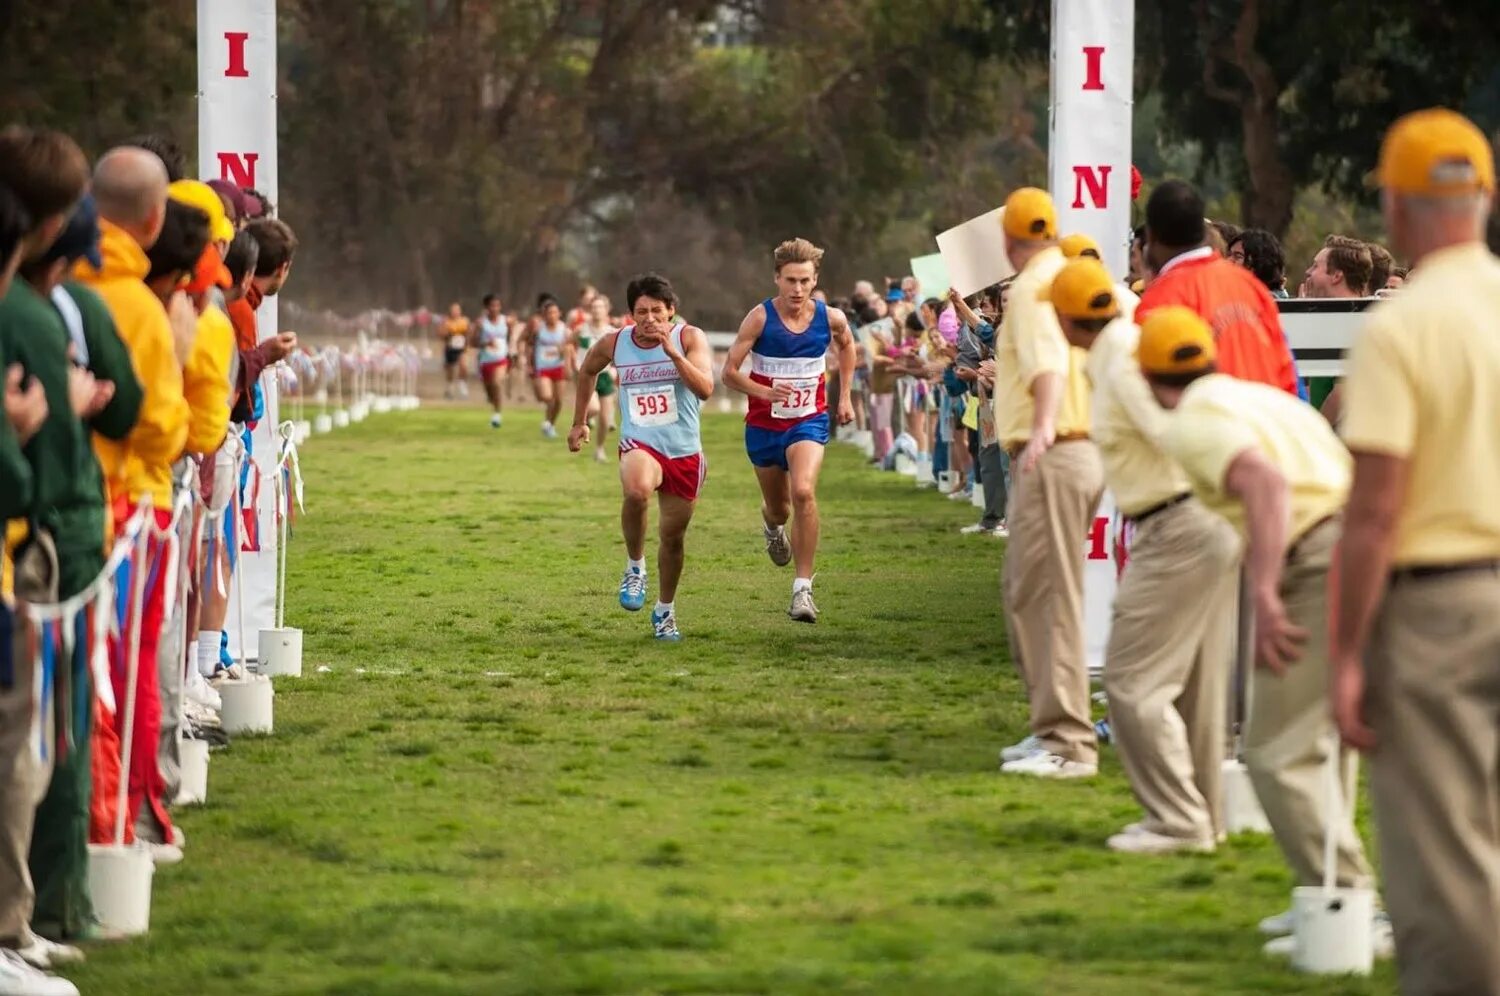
238,167
236,40
1096,178
1095,56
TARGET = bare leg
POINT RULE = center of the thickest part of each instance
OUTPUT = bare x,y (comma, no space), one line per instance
776,496
806,461
215,605
554,403
640,476
604,422
676,513
492,390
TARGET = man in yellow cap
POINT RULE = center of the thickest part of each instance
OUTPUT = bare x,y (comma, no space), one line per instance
1271,466
1042,418
1166,668
1086,246
1417,630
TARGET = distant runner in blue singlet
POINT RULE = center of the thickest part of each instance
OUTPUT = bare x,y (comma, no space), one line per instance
786,340
665,372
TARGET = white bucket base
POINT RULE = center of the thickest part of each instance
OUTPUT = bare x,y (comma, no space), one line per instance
381,405
247,705
726,404
193,785
320,396
358,412
906,465
977,499
120,885
1333,930
301,429
340,419
280,653
924,474
1242,810
866,442
322,424
744,405
949,481
412,403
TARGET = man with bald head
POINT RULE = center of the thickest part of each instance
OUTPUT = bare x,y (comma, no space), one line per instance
130,188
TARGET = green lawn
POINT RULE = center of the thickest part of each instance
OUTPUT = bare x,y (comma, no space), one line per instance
504,786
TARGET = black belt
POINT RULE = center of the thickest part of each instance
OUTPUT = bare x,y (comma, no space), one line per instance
1157,509
1427,572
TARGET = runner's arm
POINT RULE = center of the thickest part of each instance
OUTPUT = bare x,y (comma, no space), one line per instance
749,334
695,362
594,363
843,338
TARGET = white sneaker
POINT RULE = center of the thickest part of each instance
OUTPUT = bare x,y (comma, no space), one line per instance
1279,925
42,953
1136,839
778,547
978,528
198,690
19,979
496,421
1027,746
1045,764
803,608
961,494
165,854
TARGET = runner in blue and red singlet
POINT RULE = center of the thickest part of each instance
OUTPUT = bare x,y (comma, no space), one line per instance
665,371
786,340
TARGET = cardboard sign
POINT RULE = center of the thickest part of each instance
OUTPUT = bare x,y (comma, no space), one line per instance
974,253
932,276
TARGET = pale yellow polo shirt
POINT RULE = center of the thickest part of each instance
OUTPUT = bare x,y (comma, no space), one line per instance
1423,383
1221,417
1030,343
1128,424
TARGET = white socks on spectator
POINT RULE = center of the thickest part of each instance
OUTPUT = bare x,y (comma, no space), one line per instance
639,566
208,651
801,584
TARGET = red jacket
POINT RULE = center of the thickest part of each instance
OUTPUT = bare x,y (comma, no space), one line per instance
1237,306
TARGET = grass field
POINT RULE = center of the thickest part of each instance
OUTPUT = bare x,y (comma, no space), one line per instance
504,786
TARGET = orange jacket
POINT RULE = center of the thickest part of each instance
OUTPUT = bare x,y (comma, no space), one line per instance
1237,306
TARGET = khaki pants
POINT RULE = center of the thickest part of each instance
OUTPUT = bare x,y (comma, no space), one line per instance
1434,701
1051,509
1290,734
23,782
1171,647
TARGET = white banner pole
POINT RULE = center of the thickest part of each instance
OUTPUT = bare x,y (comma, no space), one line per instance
237,142
1088,153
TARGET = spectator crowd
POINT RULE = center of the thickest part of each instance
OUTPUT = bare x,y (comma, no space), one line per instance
129,345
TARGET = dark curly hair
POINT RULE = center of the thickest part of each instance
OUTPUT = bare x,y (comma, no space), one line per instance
1264,256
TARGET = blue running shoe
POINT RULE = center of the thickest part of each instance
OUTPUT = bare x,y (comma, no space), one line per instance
633,591
665,624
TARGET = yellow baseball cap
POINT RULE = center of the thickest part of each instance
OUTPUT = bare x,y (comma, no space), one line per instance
1082,289
1174,340
1434,152
1078,244
1030,215
195,193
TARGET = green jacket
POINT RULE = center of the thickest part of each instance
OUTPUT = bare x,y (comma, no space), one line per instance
67,495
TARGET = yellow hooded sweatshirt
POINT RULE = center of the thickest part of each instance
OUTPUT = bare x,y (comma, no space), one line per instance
205,381
141,464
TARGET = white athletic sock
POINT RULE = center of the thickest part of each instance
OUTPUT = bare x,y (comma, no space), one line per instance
665,608
208,651
639,566
801,584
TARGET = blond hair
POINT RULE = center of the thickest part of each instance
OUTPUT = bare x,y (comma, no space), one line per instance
798,251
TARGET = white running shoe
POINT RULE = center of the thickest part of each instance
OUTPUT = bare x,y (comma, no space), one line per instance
1019,751
1136,839
961,494
778,547
198,690
1045,764
549,430
42,953
463,389
496,421
803,609
1279,925
978,529
17,978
